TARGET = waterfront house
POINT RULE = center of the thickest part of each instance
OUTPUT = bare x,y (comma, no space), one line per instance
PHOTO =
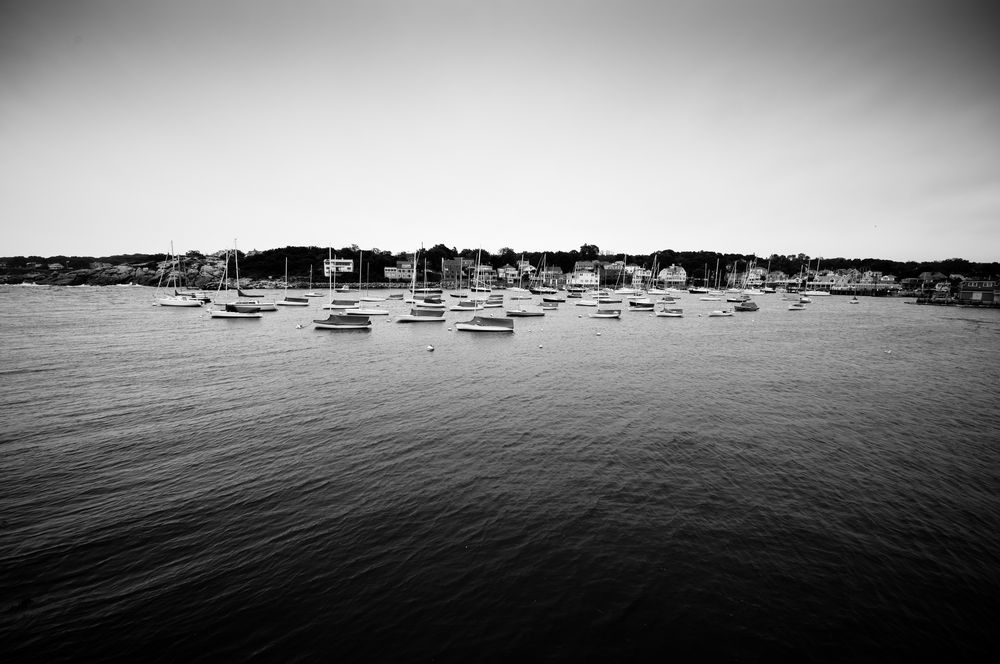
673,277
979,293
455,270
402,271
483,274
585,274
331,265
508,274
552,276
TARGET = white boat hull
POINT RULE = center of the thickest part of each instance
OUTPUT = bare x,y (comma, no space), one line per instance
479,324
181,301
234,314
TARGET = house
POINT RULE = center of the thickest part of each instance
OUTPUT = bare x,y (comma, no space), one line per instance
508,274
979,293
673,277
586,274
402,271
483,274
551,275
331,265
455,270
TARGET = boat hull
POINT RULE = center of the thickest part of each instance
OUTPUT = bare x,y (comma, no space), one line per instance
235,314
478,324
180,301
343,322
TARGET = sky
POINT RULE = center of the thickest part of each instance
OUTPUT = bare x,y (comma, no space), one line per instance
834,128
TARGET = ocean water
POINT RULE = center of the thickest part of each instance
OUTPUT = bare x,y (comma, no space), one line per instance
819,485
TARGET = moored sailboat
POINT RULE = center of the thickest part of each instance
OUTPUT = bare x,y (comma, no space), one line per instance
173,279
422,316
291,301
236,309
481,324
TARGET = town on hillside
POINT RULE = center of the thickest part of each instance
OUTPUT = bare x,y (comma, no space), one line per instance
947,281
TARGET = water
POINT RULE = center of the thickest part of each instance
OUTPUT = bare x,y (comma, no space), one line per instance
811,486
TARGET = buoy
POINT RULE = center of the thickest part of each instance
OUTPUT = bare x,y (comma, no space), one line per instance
430,348
598,334
539,345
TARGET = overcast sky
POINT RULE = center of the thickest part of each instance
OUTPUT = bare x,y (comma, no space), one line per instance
855,128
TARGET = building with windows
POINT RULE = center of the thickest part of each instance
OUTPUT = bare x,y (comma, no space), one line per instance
979,293
403,271
331,265
586,274
673,277
456,270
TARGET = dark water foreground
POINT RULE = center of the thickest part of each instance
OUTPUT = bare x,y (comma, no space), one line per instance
798,486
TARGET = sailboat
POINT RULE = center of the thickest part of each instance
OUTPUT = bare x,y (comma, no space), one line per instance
669,312
234,309
604,311
340,303
311,292
422,316
481,324
363,310
249,299
477,286
816,291
654,280
368,278
537,283
340,321
703,289
424,298
177,299
549,294
291,301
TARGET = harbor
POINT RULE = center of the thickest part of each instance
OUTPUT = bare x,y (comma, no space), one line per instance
582,488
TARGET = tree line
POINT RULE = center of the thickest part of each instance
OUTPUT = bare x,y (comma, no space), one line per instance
698,264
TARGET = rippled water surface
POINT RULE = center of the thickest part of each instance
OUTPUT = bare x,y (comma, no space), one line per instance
804,485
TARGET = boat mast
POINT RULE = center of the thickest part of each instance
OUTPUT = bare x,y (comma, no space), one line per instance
360,254
236,260
413,273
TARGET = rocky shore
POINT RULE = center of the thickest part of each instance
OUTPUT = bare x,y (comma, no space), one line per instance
194,274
